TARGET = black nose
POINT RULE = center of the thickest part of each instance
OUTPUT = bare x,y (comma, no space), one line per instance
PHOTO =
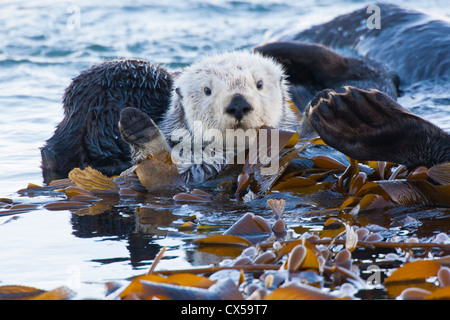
238,107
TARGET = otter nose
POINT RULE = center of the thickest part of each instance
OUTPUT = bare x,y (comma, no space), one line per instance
238,107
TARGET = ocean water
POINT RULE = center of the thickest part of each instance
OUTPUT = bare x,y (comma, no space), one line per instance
44,44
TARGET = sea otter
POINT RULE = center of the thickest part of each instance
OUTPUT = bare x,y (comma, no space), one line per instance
232,91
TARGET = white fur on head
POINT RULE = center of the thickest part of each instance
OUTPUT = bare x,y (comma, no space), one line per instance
226,75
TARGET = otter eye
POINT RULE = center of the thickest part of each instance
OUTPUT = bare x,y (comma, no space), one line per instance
207,91
259,85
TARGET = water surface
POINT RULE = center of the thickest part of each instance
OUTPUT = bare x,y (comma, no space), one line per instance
43,44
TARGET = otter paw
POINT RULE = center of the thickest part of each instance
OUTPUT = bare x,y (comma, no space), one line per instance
136,127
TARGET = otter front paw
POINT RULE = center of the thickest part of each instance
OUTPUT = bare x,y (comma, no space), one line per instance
141,133
136,127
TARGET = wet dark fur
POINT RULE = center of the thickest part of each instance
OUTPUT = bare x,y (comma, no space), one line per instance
313,67
89,134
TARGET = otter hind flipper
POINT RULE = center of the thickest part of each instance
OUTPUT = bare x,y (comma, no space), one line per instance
369,125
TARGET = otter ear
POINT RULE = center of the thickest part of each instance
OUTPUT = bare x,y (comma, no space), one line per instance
178,91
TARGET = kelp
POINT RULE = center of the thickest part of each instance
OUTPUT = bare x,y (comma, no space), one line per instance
224,239
298,291
412,276
195,195
158,172
249,224
422,187
388,193
255,173
30,293
272,261
155,172
280,270
223,290
8,209
295,269
365,185
93,180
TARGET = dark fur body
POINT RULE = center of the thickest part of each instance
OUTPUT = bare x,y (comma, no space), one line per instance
313,67
89,135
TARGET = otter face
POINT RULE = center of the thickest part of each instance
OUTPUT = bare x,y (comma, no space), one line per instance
232,90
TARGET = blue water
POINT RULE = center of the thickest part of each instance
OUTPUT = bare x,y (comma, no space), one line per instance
43,44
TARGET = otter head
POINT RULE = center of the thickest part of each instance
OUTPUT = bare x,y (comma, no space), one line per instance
232,90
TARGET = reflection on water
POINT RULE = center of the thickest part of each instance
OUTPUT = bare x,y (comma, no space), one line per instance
117,238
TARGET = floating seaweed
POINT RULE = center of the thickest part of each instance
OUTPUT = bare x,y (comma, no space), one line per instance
272,257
